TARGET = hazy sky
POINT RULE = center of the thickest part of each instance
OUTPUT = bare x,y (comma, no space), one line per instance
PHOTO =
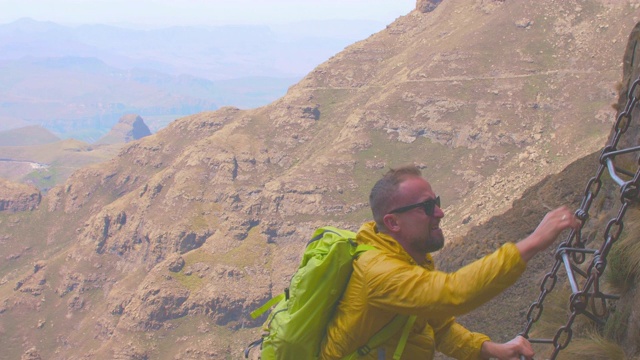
201,12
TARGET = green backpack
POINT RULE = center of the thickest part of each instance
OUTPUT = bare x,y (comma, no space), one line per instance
296,326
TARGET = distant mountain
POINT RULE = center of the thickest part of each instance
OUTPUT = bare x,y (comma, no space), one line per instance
50,164
85,97
78,81
28,135
32,155
214,53
130,127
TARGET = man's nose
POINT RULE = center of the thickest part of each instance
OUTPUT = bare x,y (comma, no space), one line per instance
437,212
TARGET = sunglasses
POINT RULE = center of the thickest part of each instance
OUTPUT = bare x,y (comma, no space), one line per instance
428,206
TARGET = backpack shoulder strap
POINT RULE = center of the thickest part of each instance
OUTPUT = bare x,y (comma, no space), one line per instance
364,247
266,306
403,338
404,322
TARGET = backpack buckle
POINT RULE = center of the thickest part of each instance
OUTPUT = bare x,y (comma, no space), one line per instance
364,350
251,346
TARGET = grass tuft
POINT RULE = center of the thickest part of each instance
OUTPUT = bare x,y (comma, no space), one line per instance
623,270
594,347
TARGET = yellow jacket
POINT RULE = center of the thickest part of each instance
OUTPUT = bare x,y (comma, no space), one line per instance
387,281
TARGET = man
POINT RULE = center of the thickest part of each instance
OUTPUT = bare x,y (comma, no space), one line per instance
399,278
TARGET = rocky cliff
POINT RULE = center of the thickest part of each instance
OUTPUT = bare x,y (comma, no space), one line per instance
18,197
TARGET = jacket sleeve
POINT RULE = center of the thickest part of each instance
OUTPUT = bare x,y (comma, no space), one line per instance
397,286
454,340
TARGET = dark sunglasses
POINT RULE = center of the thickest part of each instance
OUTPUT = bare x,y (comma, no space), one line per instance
428,206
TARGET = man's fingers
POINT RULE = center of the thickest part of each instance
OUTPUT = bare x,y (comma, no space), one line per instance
526,350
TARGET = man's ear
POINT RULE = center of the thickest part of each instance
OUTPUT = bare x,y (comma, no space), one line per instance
391,222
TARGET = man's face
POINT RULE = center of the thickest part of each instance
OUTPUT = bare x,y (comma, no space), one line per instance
418,230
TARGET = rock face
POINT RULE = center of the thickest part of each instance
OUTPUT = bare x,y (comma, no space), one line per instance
31,354
129,127
425,6
16,197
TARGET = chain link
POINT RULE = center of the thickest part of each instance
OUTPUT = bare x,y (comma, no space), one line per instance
573,251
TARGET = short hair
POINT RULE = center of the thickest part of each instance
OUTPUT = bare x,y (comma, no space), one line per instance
384,191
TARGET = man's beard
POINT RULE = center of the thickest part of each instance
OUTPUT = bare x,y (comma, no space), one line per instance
436,240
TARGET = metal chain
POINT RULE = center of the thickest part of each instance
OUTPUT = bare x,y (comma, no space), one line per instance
573,251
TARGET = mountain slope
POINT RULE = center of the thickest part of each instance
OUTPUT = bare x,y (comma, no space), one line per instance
164,250
28,135
47,165
45,161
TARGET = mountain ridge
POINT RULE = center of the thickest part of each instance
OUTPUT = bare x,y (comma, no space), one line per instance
78,81
27,135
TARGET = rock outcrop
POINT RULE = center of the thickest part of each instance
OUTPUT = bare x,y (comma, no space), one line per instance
129,127
16,197
425,6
